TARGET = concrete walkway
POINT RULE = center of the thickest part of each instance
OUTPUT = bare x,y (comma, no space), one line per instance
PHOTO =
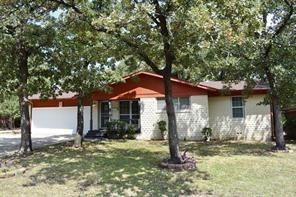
9,143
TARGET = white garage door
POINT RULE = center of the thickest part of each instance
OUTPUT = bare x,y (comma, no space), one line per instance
57,121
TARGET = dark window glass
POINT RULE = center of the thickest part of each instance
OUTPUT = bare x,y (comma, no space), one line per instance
135,107
184,103
104,113
125,118
124,107
129,112
135,121
237,107
105,107
104,121
237,101
237,112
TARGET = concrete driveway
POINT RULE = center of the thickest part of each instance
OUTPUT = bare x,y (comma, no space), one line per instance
9,143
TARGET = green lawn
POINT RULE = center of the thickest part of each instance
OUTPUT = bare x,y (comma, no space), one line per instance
130,168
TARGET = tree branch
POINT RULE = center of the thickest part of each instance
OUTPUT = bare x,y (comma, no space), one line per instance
132,45
280,28
166,36
284,23
68,5
141,53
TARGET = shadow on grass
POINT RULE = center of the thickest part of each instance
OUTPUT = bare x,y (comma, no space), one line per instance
228,148
224,148
129,167
111,169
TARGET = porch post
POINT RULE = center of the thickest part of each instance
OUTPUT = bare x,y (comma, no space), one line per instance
91,115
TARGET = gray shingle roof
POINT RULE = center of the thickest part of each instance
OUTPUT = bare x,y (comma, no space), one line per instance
64,95
241,85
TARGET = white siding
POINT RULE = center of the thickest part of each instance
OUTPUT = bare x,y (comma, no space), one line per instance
189,122
57,120
256,125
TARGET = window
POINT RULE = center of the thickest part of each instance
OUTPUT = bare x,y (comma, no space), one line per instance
184,103
105,113
129,112
161,104
180,103
124,109
238,107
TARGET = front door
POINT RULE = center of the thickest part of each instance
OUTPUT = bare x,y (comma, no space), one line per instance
105,113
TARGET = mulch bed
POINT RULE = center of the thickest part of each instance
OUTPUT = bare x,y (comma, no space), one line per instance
187,163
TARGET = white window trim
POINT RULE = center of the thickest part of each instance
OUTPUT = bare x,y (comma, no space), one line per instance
130,108
176,110
243,107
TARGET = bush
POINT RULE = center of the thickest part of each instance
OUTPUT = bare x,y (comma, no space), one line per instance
117,129
9,112
162,128
207,133
131,132
290,128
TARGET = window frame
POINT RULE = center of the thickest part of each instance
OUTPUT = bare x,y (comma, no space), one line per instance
238,107
178,104
131,114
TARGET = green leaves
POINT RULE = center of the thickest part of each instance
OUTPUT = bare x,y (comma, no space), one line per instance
9,107
26,26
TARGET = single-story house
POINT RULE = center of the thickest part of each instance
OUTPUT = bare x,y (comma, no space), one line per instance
140,101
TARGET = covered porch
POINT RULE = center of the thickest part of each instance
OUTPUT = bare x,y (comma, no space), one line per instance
103,111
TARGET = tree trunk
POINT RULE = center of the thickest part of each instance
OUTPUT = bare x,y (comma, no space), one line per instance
79,132
10,123
278,127
172,123
276,108
26,141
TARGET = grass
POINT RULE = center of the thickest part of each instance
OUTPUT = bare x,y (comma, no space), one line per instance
130,168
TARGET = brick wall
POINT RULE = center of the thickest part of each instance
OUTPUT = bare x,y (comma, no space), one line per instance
189,122
256,125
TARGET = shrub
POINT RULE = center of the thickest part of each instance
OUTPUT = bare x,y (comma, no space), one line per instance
207,133
116,129
131,132
290,128
162,128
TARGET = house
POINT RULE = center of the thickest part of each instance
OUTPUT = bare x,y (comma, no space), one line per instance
140,101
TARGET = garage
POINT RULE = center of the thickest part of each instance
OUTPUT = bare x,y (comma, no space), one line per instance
49,121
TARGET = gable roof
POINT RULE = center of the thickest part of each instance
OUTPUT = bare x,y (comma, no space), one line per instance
209,87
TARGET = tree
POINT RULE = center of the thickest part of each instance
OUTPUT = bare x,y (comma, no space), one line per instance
9,108
162,34
25,38
81,66
275,42
266,53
